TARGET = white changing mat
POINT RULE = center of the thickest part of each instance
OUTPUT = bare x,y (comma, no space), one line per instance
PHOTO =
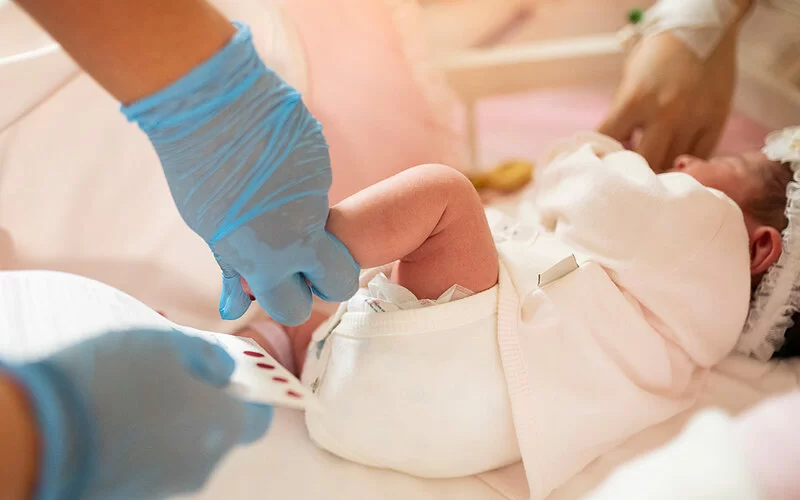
287,465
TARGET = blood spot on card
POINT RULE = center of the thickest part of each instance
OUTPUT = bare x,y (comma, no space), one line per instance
265,366
254,354
280,379
293,394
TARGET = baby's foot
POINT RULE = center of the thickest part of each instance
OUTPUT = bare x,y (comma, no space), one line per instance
298,337
274,339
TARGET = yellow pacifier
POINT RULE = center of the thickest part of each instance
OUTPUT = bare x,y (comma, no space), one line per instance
507,177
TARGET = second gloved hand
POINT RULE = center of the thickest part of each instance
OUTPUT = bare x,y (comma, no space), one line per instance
249,170
135,414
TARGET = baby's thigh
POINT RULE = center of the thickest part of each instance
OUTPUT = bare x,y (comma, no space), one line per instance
460,250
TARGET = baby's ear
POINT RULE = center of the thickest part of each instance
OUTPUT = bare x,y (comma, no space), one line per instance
765,248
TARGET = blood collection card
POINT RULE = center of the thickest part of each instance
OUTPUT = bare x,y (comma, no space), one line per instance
44,311
258,378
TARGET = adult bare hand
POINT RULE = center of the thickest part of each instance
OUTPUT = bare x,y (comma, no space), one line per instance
678,102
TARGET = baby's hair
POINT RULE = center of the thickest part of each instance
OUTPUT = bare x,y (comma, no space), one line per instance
770,207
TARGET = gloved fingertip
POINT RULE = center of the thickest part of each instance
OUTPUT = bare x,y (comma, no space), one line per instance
233,301
289,303
295,317
337,278
257,420
338,289
209,363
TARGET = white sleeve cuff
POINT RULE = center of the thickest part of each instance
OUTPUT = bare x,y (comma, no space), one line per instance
699,24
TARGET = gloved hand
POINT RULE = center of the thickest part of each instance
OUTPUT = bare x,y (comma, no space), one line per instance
249,170
136,414
678,102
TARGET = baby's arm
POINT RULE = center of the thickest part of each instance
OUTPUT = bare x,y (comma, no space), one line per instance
431,220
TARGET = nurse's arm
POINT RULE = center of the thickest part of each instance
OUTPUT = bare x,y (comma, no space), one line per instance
18,442
133,48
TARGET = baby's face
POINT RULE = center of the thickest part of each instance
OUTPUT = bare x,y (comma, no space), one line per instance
738,175
758,186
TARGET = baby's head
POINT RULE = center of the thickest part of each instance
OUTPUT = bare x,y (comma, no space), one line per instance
758,186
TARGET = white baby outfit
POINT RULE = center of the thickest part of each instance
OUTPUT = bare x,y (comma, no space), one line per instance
618,290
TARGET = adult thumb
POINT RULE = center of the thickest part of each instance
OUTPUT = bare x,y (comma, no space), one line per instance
207,362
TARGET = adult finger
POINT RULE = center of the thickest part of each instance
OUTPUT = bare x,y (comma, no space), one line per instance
706,141
655,142
621,122
681,143
335,277
288,303
233,301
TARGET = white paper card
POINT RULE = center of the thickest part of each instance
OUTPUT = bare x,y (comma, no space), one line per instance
44,311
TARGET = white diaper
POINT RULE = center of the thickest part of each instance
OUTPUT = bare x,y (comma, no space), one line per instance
381,295
414,386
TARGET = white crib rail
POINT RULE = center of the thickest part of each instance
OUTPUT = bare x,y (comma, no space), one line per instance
477,73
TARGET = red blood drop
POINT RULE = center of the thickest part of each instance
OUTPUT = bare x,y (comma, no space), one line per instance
246,287
293,394
254,354
266,366
280,379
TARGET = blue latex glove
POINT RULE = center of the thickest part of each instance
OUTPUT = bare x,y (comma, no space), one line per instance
137,414
249,170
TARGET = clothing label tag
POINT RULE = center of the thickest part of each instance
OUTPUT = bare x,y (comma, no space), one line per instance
558,271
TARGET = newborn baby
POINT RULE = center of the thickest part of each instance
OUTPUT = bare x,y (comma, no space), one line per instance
551,336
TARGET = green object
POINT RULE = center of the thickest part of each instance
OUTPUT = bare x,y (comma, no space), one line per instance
635,16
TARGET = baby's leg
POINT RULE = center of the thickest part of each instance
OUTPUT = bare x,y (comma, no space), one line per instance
428,218
431,220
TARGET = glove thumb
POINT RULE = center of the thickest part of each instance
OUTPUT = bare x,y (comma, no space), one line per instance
206,362
233,302
257,419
